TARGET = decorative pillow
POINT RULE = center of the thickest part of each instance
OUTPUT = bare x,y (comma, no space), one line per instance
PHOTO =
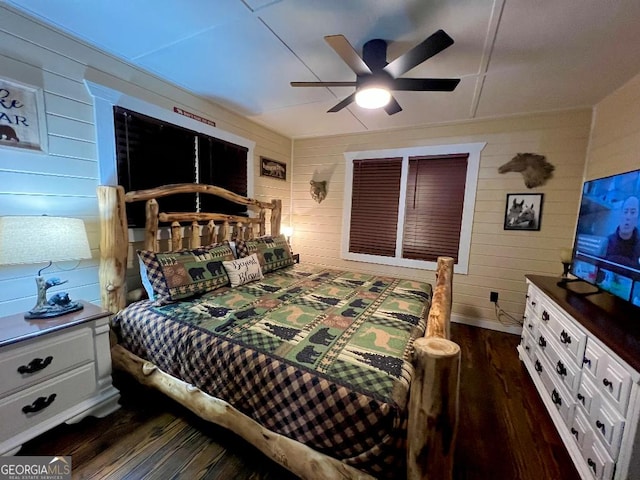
273,252
243,270
182,274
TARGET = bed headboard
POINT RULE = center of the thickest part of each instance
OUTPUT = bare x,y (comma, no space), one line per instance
203,228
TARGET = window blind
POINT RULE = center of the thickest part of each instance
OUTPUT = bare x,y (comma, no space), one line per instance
434,204
374,206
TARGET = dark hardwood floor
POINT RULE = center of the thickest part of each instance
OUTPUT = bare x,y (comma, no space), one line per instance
505,431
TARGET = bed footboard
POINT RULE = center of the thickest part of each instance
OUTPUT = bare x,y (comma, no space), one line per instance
433,399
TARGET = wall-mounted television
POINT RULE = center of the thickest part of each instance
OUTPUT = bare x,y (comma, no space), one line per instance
606,250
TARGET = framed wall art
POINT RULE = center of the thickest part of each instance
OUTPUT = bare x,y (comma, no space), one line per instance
273,168
22,121
523,211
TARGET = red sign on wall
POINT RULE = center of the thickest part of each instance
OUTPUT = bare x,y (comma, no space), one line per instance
194,116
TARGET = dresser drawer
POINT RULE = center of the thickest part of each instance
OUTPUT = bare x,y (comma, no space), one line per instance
598,460
588,396
580,430
615,383
528,344
30,362
28,408
565,370
560,398
594,355
608,424
570,338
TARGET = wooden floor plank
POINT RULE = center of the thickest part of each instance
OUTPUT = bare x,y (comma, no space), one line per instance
505,431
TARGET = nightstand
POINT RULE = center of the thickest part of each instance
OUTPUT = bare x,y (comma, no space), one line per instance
53,371
296,257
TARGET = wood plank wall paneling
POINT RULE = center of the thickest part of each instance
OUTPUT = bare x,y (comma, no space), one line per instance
499,259
615,136
63,182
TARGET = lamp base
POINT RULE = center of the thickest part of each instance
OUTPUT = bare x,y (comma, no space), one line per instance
51,311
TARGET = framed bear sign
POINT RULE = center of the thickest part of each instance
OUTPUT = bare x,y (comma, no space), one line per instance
21,116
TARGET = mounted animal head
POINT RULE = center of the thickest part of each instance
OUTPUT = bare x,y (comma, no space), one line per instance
318,190
534,168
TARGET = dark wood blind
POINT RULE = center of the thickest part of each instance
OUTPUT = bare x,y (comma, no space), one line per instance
151,153
374,206
433,213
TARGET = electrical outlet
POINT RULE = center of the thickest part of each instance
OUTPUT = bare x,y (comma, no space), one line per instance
493,297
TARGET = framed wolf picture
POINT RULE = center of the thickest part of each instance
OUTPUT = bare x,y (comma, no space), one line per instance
523,211
273,168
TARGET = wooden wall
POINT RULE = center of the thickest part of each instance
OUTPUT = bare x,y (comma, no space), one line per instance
499,259
63,181
615,138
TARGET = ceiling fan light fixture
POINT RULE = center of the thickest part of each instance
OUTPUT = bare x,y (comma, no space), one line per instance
373,97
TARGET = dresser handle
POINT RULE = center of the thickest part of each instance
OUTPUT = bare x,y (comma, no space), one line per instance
607,383
530,325
40,404
561,369
556,398
545,316
565,338
538,366
581,398
600,425
586,361
533,304
592,464
527,348
575,433
542,341
35,365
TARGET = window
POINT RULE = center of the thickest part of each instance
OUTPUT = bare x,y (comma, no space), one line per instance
406,207
152,152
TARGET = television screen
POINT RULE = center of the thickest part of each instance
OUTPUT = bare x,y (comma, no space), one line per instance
606,251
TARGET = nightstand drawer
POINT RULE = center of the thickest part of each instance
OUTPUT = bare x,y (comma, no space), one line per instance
31,407
30,362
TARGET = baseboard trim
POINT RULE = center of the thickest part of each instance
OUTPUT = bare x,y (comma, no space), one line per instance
488,324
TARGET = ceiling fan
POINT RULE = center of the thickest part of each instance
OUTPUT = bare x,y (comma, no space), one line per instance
375,78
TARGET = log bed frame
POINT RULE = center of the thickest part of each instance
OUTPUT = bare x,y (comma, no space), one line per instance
433,398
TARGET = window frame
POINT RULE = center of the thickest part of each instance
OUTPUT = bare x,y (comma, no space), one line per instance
473,166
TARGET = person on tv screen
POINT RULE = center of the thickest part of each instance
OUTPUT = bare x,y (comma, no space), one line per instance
624,244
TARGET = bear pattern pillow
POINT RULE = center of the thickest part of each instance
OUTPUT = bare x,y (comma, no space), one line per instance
273,252
185,273
243,270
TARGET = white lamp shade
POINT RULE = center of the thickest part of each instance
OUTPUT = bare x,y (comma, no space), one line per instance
373,97
38,239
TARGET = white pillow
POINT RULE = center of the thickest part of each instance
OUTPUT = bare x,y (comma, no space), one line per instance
243,270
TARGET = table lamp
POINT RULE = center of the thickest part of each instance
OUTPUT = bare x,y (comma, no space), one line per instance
39,239
287,232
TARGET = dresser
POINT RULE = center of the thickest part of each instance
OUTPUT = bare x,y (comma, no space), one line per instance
53,371
582,351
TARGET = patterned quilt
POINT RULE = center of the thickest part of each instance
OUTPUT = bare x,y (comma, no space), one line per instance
315,354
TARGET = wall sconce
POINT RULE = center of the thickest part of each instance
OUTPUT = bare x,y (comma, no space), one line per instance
29,240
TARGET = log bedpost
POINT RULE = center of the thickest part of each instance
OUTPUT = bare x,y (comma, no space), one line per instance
151,225
276,215
114,245
433,397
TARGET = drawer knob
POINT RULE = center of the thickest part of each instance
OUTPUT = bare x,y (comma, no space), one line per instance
561,369
565,337
555,397
538,366
542,341
607,383
581,398
530,325
40,404
592,464
600,425
527,348
35,365
586,361
545,316
574,432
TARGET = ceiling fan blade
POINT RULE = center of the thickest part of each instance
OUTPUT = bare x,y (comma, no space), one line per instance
425,84
343,103
392,107
323,84
344,49
418,54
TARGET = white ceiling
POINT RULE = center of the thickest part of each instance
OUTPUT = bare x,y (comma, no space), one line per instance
513,56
